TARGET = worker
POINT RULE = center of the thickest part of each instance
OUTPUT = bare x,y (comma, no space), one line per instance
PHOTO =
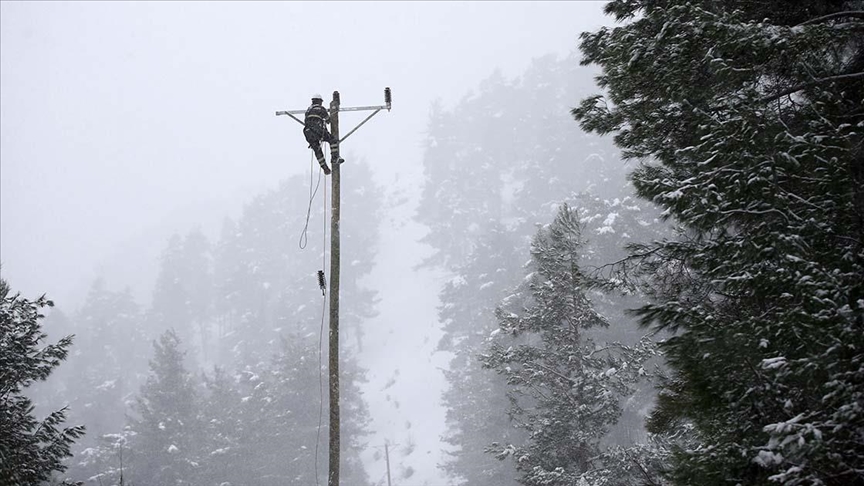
315,129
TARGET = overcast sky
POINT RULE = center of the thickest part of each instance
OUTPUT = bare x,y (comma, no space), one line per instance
121,122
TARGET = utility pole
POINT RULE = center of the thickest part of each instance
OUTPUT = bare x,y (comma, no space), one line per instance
336,179
335,214
387,459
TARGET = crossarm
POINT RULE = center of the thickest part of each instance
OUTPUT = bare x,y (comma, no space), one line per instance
289,113
360,125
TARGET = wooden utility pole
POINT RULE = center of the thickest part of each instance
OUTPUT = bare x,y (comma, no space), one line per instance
387,459
333,476
333,349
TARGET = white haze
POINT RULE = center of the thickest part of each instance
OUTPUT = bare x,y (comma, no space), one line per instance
121,123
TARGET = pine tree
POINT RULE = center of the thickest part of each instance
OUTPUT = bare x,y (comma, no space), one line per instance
262,422
110,325
31,450
496,166
476,397
507,154
101,374
748,118
223,448
170,294
167,432
182,295
565,390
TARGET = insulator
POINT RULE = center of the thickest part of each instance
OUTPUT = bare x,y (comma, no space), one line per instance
321,281
336,97
387,97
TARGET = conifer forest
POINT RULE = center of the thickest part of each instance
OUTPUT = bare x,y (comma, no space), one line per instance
632,257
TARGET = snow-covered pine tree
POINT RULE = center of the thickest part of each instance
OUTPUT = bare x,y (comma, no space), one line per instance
99,384
496,165
261,423
565,389
608,227
31,450
169,301
463,196
506,153
222,448
197,275
166,436
476,397
182,294
748,117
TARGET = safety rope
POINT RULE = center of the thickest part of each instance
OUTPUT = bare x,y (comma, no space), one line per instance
321,332
304,240
304,236
320,388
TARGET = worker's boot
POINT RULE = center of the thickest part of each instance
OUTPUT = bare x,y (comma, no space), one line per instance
319,155
323,164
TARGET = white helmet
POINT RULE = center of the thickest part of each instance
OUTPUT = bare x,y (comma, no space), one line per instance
317,96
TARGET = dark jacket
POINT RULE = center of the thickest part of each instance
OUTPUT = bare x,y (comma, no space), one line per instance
315,129
317,116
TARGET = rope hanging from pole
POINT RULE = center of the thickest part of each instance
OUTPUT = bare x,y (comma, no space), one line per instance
323,284
322,281
320,387
304,235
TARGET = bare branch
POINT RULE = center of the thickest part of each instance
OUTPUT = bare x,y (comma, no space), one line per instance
851,13
810,84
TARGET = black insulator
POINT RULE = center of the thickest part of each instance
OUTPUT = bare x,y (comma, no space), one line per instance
387,97
336,97
321,281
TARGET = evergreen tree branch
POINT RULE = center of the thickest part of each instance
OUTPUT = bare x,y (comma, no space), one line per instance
810,84
836,15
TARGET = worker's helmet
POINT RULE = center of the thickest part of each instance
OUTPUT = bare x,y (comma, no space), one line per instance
317,97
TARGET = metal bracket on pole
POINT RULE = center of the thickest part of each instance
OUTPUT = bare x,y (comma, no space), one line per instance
363,108
386,106
360,125
291,114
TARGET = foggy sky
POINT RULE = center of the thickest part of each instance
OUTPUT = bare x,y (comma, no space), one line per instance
117,117
123,122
